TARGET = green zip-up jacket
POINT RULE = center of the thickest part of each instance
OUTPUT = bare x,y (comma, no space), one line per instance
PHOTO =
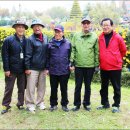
85,52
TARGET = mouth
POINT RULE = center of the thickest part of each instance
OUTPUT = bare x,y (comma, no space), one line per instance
21,32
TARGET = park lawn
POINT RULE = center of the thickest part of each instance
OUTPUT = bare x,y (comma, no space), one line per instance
82,119
1,74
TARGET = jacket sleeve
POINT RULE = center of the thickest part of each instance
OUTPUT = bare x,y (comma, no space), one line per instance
5,55
122,47
70,51
96,53
48,57
72,55
28,53
69,54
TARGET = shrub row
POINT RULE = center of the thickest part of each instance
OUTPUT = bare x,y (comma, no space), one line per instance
125,81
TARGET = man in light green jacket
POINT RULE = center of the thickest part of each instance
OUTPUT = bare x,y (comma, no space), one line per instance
84,60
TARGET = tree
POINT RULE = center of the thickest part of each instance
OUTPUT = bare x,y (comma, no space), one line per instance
87,10
57,12
4,12
124,7
37,13
103,10
75,14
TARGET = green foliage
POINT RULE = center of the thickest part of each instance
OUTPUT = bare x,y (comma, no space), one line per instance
87,10
75,14
57,12
125,81
5,22
96,119
4,12
128,39
4,32
102,10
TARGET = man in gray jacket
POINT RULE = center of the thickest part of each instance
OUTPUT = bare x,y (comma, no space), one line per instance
35,60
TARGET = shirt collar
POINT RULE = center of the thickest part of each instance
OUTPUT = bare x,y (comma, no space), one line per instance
86,34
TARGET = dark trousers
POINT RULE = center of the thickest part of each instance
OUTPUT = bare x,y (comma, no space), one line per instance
54,82
115,77
9,85
86,75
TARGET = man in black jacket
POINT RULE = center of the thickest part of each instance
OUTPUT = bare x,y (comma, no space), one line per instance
13,64
35,61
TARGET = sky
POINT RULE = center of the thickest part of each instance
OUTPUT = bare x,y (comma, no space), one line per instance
42,5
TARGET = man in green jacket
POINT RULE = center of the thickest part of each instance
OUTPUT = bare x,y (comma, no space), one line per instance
84,60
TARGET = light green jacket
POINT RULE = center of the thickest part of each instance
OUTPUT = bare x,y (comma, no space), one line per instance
85,50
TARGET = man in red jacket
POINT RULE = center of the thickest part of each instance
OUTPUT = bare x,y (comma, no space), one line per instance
111,51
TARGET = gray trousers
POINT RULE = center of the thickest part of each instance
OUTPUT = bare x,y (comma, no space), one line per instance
35,80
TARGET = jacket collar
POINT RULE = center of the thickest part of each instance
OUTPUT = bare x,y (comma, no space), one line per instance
86,34
102,34
34,35
53,40
17,38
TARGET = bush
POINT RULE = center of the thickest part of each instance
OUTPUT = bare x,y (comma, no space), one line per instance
96,77
125,81
4,32
5,22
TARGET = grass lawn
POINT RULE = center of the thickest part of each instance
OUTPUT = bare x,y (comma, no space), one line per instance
82,119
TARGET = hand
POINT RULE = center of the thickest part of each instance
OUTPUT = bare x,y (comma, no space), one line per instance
72,68
97,69
46,72
28,72
7,73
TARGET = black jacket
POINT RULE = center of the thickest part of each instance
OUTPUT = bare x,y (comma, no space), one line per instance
36,53
58,57
11,49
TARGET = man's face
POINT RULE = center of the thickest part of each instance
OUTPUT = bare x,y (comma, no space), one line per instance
37,29
107,27
20,30
58,34
86,25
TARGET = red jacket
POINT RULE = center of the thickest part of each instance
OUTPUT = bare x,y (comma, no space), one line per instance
111,56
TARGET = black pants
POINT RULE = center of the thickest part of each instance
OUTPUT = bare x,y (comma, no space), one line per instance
115,77
86,75
9,85
54,81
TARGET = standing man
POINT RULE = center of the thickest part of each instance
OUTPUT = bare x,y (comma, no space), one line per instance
84,59
58,65
13,64
111,50
35,61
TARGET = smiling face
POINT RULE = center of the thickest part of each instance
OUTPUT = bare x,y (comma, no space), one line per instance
107,27
20,30
58,34
86,25
37,29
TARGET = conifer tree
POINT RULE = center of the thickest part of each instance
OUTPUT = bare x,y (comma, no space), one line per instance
76,13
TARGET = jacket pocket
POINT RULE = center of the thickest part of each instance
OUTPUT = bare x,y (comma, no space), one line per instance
14,60
117,57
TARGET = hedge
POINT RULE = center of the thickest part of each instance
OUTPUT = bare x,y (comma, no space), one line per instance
125,81
4,32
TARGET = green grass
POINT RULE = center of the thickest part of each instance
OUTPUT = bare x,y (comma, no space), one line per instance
95,119
1,74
